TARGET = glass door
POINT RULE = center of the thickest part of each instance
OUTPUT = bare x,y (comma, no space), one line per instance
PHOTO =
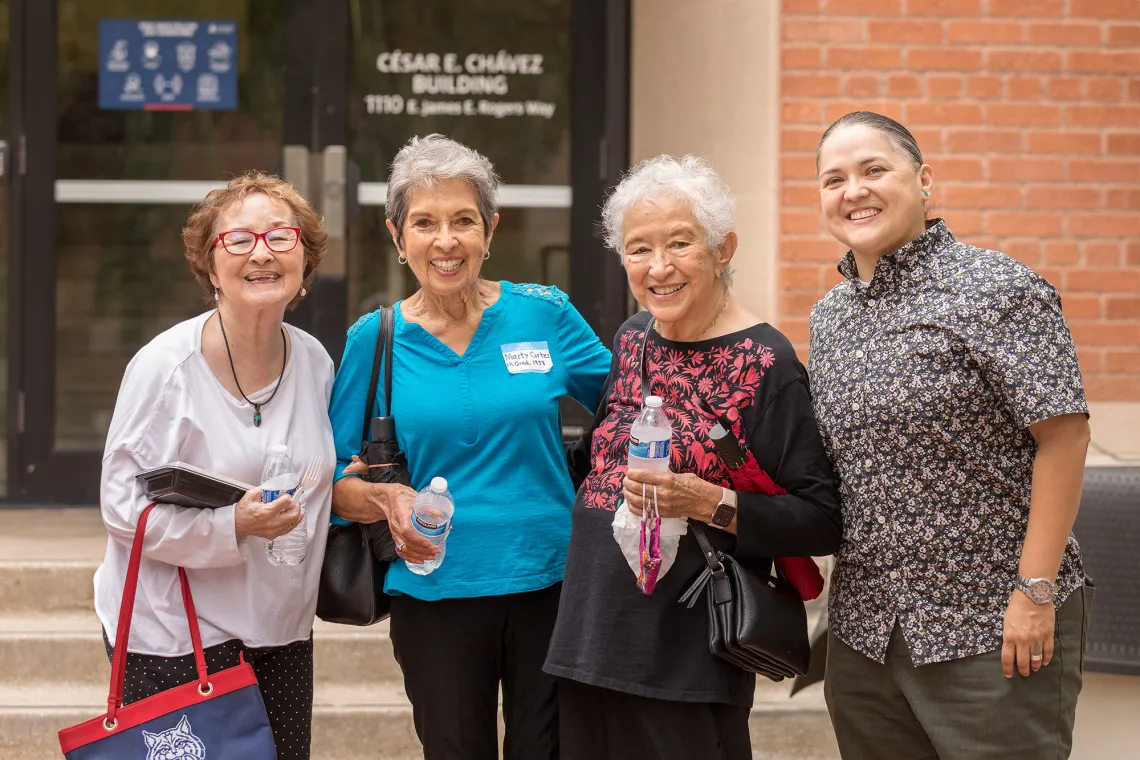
495,76
152,104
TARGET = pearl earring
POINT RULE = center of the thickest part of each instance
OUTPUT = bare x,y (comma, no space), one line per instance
304,292
216,296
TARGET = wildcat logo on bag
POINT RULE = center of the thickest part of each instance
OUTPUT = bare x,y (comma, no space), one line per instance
225,707
177,742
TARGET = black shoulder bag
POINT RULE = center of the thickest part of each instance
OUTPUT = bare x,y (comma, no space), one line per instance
757,621
356,561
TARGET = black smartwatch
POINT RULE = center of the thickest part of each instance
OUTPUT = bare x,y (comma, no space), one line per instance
726,510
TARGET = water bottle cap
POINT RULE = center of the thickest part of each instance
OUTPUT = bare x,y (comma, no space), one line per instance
438,485
278,450
653,402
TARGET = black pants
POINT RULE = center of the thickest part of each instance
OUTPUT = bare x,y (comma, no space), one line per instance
454,654
601,723
284,676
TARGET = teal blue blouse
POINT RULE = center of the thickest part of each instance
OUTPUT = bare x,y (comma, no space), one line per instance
488,421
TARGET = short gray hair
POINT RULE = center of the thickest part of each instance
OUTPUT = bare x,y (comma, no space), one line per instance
689,178
424,161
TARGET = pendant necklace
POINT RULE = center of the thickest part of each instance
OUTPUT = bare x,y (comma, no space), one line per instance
284,357
712,324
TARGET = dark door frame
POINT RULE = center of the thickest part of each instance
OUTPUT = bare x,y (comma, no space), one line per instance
36,473
599,153
14,179
316,92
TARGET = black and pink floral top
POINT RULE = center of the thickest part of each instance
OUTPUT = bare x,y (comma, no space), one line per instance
609,633
925,383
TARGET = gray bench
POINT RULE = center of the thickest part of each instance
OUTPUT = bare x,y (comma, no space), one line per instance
1108,530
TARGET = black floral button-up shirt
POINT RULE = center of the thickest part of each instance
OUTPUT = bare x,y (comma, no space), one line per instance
925,383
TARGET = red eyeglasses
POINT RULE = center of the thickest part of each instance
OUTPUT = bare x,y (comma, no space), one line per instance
241,242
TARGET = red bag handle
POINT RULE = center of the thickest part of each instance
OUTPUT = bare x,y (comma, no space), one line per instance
126,611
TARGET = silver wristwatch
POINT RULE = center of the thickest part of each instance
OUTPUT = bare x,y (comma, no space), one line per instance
1039,590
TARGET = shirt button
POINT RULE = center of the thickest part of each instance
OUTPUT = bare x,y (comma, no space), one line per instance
859,354
894,575
855,407
870,301
882,520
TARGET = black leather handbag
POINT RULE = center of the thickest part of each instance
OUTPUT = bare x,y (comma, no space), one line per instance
756,622
351,590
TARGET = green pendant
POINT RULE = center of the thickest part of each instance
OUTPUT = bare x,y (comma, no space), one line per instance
256,416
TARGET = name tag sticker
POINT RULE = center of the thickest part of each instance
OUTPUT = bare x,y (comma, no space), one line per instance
527,357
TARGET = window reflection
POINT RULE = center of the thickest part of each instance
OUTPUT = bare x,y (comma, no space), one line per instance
500,115
121,275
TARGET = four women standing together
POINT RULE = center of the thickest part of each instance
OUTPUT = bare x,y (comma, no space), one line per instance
939,451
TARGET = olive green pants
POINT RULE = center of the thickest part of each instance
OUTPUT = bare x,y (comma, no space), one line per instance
959,710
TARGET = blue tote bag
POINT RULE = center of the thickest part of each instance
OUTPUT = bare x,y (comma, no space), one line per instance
217,717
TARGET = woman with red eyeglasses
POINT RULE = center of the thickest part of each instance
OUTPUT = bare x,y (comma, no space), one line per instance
216,391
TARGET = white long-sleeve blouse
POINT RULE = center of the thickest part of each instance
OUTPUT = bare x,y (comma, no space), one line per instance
171,407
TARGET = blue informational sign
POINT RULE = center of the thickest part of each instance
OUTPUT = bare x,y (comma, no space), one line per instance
167,65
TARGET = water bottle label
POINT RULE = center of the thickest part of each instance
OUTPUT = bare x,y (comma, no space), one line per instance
429,528
273,494
649,449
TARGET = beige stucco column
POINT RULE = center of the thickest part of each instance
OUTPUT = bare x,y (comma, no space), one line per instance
705,80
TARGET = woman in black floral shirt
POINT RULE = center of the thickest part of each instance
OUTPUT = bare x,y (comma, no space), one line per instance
636,678
950,400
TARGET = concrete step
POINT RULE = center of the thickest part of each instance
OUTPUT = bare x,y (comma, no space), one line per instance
375,722
43,586
68,647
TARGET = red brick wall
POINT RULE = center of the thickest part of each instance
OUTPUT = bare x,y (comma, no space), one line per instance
1029,113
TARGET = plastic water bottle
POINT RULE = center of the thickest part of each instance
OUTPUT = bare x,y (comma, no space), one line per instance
649,438
431,518
280,477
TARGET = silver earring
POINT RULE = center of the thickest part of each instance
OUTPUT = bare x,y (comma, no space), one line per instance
216,296
402,259
487,254
304,292
925,193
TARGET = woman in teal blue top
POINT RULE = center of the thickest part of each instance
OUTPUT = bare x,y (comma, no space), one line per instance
479,370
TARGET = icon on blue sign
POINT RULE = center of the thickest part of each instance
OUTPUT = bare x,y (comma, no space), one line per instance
220,54
187,54
132,89
208,91
117,58
167,64
152,58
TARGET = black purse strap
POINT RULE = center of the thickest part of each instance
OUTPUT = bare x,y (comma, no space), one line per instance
383,349
641,362
712,556
716,574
